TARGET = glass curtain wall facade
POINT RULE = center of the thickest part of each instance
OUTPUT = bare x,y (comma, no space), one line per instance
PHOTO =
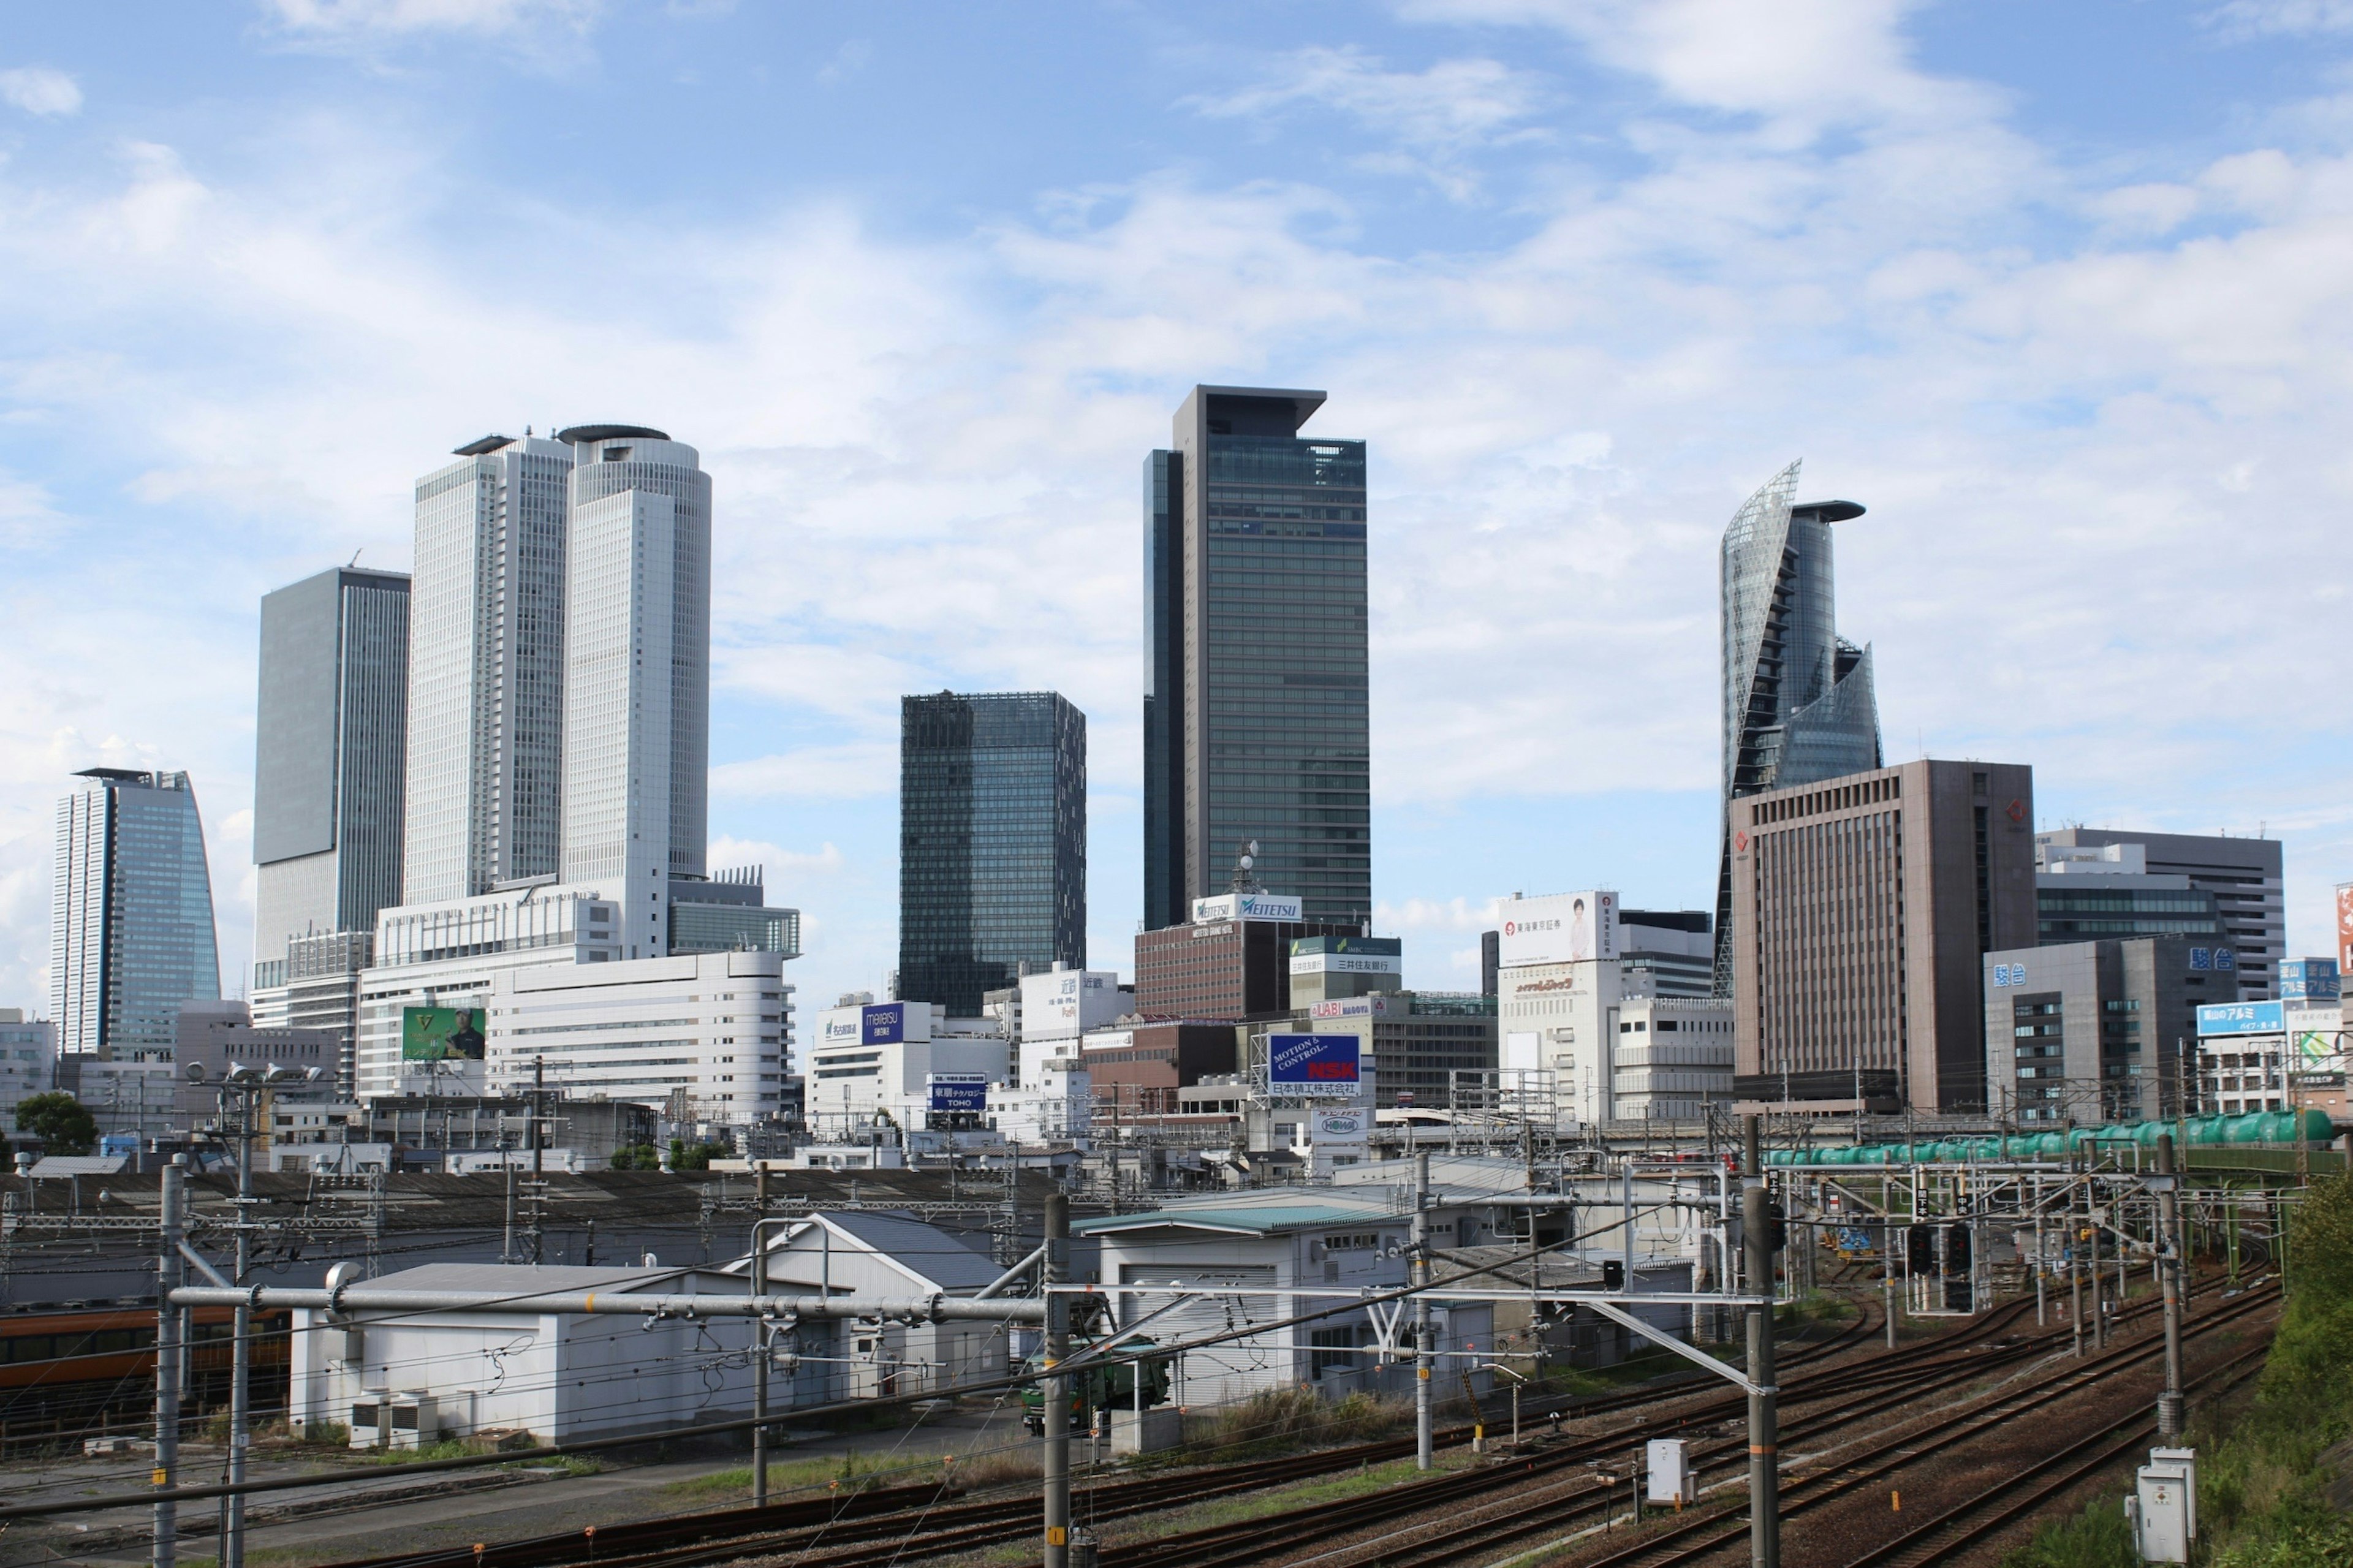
615,460
481,804
1257,723
330,754
992,843
1799,707
131,915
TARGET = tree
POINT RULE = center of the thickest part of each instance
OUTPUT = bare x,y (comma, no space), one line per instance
60,1122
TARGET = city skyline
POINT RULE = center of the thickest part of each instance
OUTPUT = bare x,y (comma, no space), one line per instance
2080,390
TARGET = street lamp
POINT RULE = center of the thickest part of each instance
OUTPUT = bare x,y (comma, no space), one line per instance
1519,1381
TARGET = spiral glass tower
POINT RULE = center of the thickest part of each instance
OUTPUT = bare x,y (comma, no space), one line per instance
1798,701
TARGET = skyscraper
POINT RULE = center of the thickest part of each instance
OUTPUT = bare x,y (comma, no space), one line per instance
992,842
636,672
1256,723
486,671
330,739
131,933
1864,909
1798,701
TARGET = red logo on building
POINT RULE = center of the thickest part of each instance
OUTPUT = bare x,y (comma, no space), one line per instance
2018,811
1740,842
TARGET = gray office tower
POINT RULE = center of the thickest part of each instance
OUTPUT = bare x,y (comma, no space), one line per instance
2244,876
486,671
131,933
992,843
330,741
1797,702
1256,725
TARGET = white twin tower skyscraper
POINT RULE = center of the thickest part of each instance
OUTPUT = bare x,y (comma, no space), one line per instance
553,766
560,708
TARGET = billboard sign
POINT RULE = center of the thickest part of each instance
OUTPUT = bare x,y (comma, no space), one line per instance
2242,1019
1558,928
1347,963
441,1035
959,1091
1321,1065
883,1024
1247,907
2344,928
1350,1007
2310,980
1338,1126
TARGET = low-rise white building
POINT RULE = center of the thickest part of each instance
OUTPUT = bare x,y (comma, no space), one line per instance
1671,1057
1236,1249
558,1376
896,1059
446,955
713,1026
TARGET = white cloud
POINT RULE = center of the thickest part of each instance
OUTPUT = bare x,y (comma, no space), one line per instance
2072,453
1438,115
347,18
2252,18
1800,65
38,89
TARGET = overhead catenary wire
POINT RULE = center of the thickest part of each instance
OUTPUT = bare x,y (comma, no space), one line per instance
596,1445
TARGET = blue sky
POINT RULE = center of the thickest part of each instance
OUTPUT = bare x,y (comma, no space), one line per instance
2060,292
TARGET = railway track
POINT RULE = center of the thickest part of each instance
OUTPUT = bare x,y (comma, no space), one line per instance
873,1529
950,1523
1694,1539
1273,1536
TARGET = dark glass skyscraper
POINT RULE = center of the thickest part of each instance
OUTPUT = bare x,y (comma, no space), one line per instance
992,842
1798,701
132,923
1256,724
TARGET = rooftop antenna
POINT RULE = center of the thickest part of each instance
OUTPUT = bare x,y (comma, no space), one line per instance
1245,866
355,558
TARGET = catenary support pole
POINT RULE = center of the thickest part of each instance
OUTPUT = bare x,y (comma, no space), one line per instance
241,1392
2169,1262
167,1363
2092,1228
1422,1446
760,1337
1054,1404
2041,1309
1764,1427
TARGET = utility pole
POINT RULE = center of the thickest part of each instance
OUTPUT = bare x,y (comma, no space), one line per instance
1764,1427
168,1271
760,1335
1054,1389
240,1394
2169,1263
538,1184
2091,1225
1419,1269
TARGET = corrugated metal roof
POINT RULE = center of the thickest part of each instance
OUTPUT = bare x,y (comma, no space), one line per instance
525,1278
937,1255
1250,1219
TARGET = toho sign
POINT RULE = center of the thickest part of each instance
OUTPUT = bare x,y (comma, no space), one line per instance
959,1091
1247,907
1325,1064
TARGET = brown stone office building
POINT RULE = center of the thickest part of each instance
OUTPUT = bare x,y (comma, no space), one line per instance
1862,908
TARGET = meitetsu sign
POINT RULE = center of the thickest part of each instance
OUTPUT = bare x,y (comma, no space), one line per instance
1247,907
